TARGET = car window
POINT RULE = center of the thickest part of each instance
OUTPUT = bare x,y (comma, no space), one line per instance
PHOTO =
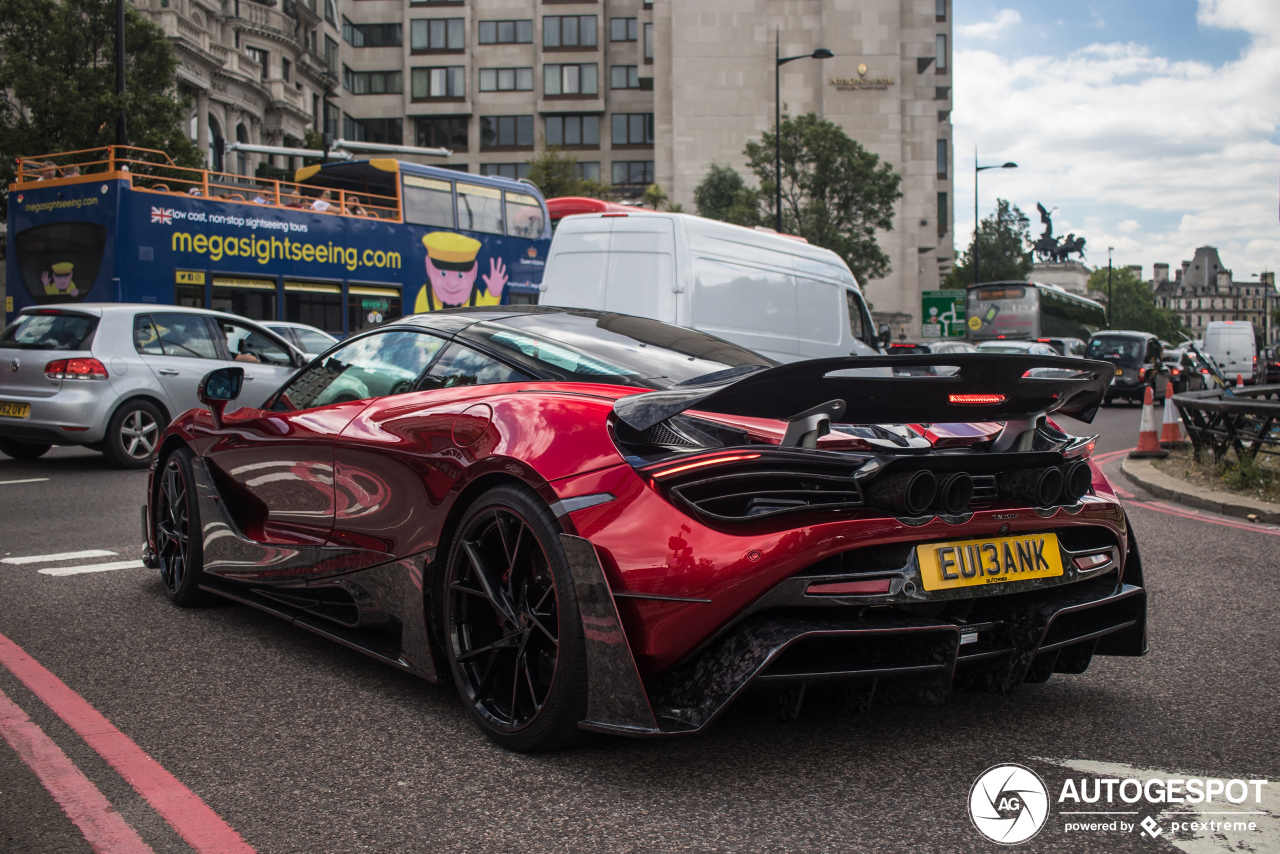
460,365
378,365
313,342
184,335
1115,347
249,345
49,332
855,314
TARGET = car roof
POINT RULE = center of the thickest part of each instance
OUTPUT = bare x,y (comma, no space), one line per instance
103,309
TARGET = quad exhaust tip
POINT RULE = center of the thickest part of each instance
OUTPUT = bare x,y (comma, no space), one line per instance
1037,487
1077,480
909,493
955,491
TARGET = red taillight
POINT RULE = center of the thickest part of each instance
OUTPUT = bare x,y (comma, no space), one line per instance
976,398
1175,371
75,369
850,588
46,311
707,462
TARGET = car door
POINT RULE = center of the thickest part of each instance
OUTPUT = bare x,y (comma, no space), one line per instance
266,359
179,348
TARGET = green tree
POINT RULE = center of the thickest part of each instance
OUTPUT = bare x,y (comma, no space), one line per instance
1003,254
57,83
654,196
722,194
1133,306
835,193
556,174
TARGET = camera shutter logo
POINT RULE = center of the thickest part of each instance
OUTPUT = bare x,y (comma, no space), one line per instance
1008,804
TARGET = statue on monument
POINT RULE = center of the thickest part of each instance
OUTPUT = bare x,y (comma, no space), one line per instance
1055,249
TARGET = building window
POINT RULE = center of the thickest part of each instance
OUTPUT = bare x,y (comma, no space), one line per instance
942,158
569,31
632,129
573,130
514,171
331,11
506,32
506,79
506,132
624,77
648,42
447,82
261,57
331,54
442,132
942,54
624,29
286,69
941,13
388,131
944,115
372,82
436,35
942,214
569,80
589,171
633,172
942,93
371,35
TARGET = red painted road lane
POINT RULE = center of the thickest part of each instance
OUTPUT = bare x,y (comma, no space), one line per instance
104,829
189,816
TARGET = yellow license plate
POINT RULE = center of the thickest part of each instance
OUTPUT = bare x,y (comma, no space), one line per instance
966,563
1119,372
15,410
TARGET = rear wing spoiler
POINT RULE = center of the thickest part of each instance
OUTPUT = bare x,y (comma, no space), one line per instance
983,387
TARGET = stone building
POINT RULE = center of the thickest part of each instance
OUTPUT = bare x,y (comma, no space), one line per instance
1203,291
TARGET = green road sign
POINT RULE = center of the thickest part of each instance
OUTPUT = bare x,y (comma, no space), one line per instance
942,314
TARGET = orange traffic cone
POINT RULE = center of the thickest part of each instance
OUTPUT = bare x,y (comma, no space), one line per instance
1148,444
1171,435
1239,380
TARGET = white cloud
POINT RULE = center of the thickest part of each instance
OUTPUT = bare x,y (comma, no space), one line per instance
992,29
1152,155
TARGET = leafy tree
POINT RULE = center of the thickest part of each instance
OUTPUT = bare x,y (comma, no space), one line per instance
57,83
1133,306
835,193
1002,242
556,174
654,196
723,195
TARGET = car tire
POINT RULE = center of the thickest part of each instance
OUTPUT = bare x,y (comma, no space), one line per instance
23,450
176,528
133,434
511,628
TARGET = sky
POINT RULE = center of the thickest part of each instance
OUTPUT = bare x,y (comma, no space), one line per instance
1152,126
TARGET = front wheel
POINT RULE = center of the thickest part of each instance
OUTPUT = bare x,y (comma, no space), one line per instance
177,532
23,450
513,634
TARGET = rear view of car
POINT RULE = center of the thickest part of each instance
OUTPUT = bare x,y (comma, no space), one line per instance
1232,347
1136,357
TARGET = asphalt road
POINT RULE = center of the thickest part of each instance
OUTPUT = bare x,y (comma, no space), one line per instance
300,745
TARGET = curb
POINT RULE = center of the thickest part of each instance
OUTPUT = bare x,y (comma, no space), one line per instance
1145,475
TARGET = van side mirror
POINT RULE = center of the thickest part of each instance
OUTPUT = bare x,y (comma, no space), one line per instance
219,388
883,335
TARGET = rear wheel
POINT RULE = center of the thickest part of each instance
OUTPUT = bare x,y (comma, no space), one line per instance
22,450
133,433
512,630
176,517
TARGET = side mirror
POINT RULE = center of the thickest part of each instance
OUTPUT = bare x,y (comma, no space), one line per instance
218,388
883,335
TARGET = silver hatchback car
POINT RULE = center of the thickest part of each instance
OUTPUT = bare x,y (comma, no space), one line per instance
111,376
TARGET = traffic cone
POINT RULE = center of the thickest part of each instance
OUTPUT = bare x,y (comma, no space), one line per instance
1148,445
1171,435
1239,380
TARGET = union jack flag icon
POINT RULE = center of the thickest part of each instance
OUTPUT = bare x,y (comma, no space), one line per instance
164,216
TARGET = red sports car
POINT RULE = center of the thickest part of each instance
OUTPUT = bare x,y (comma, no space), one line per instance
590,521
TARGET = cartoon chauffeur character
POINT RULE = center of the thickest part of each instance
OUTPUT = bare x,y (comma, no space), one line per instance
61,284
451,269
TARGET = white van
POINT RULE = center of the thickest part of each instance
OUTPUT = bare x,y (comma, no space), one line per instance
1231,344
778,296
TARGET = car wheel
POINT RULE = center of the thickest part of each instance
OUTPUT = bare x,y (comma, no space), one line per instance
22,450
512,631
132,434
176,520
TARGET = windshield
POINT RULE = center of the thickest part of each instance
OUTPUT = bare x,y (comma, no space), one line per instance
598,347
50,332
1115,348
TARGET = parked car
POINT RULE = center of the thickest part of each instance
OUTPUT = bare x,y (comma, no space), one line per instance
1269,361
307,339
1184,371
1066,346
593,521
1003,345
1233,348
110,376
1136,357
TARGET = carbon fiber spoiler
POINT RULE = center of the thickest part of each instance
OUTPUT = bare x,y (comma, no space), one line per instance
1074,387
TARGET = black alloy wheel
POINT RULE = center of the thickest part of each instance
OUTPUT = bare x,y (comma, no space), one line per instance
513,634
175,514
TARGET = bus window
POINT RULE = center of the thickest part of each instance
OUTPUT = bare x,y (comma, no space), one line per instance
524,216
251,298
314,303
479,208
369,306
428,201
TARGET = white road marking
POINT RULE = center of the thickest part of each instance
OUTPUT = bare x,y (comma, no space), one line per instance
92,567
1265,814
26,480
19,561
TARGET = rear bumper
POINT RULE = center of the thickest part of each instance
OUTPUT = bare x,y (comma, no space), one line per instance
893,651
84,408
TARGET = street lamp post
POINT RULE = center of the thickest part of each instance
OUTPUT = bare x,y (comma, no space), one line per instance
976,170
778,61
1110,249
122,132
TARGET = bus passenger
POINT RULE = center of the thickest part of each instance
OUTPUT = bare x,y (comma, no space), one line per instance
354,208
324,202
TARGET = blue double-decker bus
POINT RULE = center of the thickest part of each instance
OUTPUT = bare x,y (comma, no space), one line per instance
341,247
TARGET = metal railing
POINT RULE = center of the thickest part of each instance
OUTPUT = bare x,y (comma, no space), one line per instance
1217,421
